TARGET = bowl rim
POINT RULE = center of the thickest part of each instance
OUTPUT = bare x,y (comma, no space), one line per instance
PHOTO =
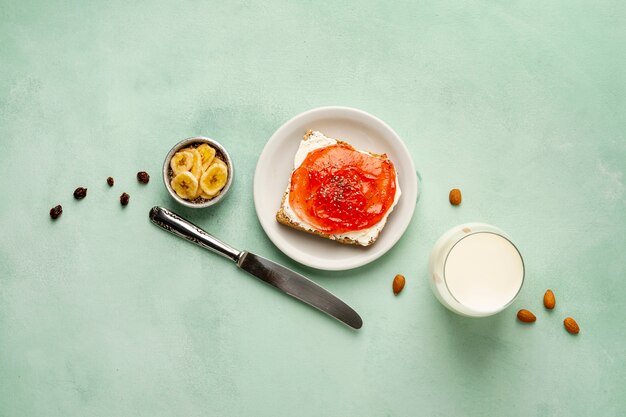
184,143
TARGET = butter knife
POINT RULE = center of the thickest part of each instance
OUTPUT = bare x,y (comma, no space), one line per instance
276,275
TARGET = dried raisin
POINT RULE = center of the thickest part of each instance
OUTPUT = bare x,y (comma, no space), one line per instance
110,181
124,199
55,212
80,193
143,177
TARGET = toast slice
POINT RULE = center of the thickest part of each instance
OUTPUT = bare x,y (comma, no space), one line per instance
287,217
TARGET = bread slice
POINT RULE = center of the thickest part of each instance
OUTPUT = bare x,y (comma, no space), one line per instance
351,238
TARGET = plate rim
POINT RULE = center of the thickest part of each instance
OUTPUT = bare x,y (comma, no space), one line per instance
359,261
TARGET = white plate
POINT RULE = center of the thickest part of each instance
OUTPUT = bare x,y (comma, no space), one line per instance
275,165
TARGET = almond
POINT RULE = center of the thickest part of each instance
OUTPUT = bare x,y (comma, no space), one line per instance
571,326
548,300
398,284
455,196
526,316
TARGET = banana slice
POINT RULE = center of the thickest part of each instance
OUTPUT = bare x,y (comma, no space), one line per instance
181,161
192,151
214,179
208,153
219,161
196,168
185,185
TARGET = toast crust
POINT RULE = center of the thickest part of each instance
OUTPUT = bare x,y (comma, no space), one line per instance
282,218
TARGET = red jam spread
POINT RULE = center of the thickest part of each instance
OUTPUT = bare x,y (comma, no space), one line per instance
338,189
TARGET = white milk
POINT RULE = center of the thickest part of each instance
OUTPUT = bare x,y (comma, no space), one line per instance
476,270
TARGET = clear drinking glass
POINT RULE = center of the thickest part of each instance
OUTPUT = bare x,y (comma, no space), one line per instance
475,270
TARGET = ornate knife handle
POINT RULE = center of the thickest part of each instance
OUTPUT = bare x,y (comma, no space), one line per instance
180,227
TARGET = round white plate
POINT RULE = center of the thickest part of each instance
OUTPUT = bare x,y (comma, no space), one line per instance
273,170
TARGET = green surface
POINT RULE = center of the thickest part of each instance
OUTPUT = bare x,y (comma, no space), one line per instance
520,104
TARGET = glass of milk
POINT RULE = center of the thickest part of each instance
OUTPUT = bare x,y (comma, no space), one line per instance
475,270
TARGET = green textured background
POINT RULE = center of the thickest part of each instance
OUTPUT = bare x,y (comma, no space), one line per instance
521,104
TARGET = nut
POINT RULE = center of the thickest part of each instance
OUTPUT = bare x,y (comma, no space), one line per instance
398,283
55,212
110,181
80,193
143,177
455,196
571,326
548,300
124,199
526,316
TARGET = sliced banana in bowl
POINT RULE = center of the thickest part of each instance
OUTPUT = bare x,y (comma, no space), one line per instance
181,161
214,179
185,185
198,172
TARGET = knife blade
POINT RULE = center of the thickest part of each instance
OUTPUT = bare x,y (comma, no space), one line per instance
281,278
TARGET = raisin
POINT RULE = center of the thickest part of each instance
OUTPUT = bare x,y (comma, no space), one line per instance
80,193
124,199
143,177
110,181
55,212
